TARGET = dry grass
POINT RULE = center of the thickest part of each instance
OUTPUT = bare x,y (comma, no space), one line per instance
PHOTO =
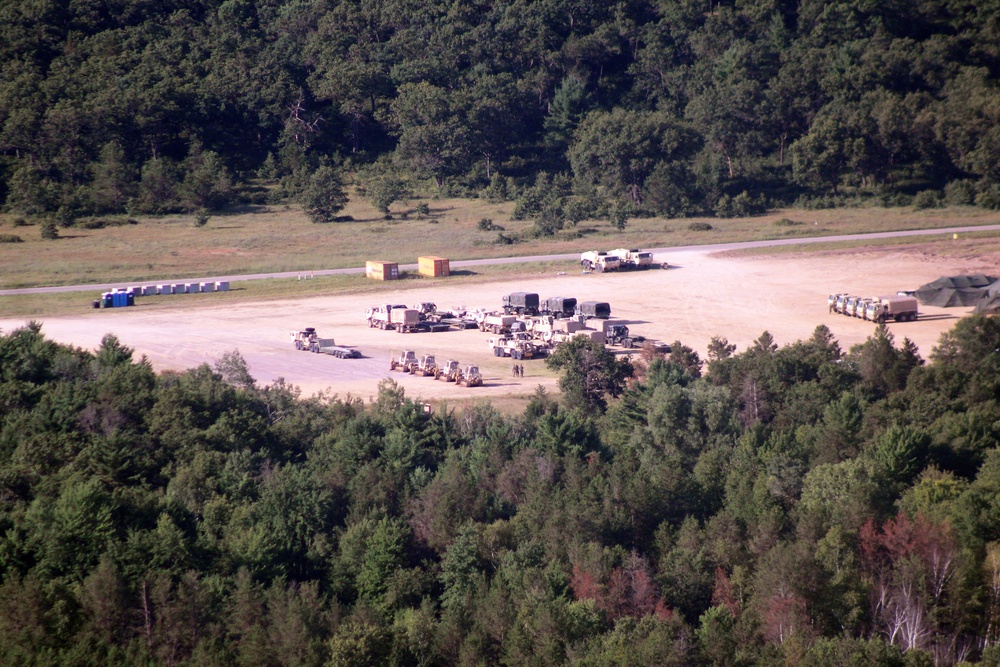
68,303
281,238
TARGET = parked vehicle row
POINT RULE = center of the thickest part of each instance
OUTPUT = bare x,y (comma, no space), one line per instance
880,309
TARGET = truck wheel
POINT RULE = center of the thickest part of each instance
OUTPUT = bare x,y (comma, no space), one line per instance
298,345
497,352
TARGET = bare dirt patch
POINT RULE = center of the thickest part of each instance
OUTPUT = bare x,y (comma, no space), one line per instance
705,295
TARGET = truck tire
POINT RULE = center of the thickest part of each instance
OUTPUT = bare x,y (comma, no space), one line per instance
497,352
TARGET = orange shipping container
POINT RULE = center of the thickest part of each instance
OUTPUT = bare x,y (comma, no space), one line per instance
435,267
382,270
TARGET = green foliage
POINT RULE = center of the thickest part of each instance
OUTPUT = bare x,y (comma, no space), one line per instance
781,503
49,230
10,238
323,195
700,227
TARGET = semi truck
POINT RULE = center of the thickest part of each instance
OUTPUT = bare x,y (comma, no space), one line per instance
633,259
308,340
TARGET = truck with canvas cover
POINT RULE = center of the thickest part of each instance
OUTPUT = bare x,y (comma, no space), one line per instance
495,322
895,307
397,317
520,303
593,309
599,261
558,306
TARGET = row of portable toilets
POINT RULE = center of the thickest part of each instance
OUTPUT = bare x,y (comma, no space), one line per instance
121,297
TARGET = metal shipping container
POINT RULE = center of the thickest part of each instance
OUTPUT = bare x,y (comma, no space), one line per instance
382,270
433,267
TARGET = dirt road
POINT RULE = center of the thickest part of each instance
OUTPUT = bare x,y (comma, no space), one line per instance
705,295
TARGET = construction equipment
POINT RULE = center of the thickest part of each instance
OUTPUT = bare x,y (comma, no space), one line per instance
427,366
896,307
450,371
470,376
599,261
520,303
618,334
397,317
593,309
405,362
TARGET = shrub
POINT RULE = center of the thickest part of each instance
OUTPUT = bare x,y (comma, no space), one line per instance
699,227
960,193
423,209
92,223
503,239
49,230
201,219
927,199
21,222
989,197
785,222
10,238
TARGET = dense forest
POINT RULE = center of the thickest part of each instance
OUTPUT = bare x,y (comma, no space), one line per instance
797,505
573,108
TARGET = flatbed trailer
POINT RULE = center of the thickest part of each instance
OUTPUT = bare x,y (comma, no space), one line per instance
328,346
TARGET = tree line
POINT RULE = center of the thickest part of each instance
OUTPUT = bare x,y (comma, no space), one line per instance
638,107
776,505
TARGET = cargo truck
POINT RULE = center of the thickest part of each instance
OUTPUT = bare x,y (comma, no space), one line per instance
593,309
895,307
558,306
520,303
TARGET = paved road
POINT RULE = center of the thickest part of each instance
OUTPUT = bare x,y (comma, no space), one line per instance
657,252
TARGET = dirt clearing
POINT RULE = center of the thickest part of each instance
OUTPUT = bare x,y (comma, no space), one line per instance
704,295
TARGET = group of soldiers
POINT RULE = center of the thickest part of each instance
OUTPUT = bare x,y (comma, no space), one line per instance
517,371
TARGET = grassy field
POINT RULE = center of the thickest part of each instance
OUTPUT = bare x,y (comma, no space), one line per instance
67,303
281,238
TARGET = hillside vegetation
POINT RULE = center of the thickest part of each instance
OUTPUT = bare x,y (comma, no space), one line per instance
573,109
794,505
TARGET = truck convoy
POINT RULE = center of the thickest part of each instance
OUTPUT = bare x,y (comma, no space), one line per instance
881,309
308,340
620,259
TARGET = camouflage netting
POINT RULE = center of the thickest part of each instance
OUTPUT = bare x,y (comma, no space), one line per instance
948,291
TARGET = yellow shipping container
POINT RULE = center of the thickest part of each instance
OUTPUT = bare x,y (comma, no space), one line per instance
434,267
382,270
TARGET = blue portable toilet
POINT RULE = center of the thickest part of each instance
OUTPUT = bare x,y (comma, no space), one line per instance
108,299
130,298
119,299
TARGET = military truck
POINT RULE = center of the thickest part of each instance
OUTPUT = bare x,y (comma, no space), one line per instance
515,348
618,334
558,306
895,307
600,261
633,259
593,309
397,317
495,322
520,303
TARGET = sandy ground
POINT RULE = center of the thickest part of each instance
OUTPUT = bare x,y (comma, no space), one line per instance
703,295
